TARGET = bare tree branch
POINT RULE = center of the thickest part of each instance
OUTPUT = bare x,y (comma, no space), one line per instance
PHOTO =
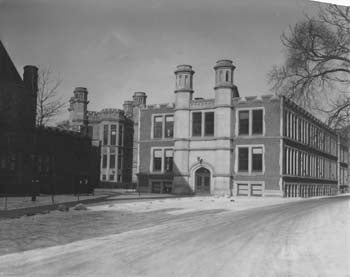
316,72
49,103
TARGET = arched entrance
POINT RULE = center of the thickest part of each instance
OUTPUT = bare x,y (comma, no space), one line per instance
202,181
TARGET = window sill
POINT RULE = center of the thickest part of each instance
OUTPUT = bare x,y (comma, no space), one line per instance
249,173
166,139
249,136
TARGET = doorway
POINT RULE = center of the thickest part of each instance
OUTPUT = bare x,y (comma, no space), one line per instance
202,181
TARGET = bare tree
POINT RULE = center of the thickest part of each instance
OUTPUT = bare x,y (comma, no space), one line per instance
49,103
316,73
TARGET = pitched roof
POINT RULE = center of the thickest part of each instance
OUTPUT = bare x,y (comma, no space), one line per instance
8,71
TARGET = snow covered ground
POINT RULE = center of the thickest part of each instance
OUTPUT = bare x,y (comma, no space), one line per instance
200,236
193,204
26,202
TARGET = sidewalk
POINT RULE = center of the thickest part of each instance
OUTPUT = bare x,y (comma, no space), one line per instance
24,206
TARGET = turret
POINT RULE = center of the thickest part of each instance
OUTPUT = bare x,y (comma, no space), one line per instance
78,109
139,98
224,76
184,86
30,79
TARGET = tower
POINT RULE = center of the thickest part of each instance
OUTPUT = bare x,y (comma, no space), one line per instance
225,90
183,97
78,109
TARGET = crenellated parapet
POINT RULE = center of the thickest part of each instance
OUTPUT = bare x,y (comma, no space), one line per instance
267,98
202,103
111,114
159,106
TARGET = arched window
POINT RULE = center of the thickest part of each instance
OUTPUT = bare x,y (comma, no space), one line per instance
227,76
221,77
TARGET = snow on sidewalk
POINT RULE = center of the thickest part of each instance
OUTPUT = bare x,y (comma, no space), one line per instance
193,204
26,201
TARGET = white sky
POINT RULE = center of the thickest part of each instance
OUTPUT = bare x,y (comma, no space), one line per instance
117,47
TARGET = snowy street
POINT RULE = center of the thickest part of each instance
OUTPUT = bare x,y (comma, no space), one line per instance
296,238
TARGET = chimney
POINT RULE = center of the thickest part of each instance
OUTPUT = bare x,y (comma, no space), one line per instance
30,79
128,108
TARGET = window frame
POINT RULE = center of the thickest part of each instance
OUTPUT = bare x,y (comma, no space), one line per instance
250,126
249,183
163,150
163,115
203,115
250,159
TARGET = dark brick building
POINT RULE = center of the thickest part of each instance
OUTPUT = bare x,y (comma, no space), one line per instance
38,160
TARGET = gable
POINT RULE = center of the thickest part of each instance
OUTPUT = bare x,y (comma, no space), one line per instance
8,71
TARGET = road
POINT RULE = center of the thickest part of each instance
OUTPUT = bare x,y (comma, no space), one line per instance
304,238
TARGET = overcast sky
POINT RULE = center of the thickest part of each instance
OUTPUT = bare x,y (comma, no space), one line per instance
115,48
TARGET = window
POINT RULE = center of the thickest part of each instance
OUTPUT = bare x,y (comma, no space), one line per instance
167,186
111,177
169,126
112,161
196,124
104,177
202,125
243,122
209,124
156,187
90,131
257,122
163,126
168,163
243,158
162,160
104,161
157,160
157,126
113,134
120,158
257,159
120,135
250,159
105,134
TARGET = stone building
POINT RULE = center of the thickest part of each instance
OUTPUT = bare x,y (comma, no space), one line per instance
113,130
38,160
249,146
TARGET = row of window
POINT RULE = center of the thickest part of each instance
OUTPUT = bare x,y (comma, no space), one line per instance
110,134
161,187
301,163
250,122
250,159
302,130
249,189
111,177
112,159
41,164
